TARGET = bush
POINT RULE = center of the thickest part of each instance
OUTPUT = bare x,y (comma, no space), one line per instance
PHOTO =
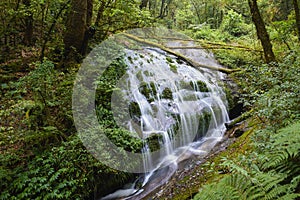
273,90
234,24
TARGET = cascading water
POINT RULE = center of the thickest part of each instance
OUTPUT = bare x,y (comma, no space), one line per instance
174,108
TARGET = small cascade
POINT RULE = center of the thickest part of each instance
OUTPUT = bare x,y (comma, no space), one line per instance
177,111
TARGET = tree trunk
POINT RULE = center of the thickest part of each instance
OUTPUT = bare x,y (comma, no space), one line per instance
48,35
144,4
162,9
89,32
196,10
297,12
76,28
100,13
261,31
28,33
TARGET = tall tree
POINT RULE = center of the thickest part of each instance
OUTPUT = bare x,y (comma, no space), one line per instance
297,13
28,32
261,31
78,27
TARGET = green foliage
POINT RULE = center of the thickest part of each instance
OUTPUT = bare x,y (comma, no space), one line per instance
204,32
121,15
284,151
65,172
270,173
124,139
234,24
184,16
105,87
274,90
51,95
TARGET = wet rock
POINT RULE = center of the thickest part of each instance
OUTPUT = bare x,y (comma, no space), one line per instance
167,94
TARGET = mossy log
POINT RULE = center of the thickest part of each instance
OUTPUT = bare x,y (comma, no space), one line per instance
239,119
213,46
194,64
206,44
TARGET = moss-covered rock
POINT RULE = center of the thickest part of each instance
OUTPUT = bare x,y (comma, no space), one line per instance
233,96
204,121
167,94
200,86
154,142
169,60
173,67
148,90
139,76
134,109
184,85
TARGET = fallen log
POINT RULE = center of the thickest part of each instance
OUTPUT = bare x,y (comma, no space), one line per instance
238,120
215,47
194,64
206,44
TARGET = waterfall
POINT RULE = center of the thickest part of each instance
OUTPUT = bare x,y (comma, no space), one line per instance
177,110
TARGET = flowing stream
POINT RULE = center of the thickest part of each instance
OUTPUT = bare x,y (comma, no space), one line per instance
177,110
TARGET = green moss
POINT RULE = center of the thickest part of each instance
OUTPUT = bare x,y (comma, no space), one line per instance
134,109
173,68
147,73
169,60
179,61
201,86
204,121
191,97
154,142
130,59
139,76
167,94
147,91
184,85
229,98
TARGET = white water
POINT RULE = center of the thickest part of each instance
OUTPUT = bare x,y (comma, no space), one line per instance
174,125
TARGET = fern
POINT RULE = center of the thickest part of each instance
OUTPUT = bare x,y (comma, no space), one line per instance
285,147
221,190
277,175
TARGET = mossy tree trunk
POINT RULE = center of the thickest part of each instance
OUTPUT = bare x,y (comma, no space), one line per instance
297,12
77,29
261,31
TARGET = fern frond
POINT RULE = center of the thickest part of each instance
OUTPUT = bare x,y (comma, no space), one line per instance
289,196
269,181
276,192
285,146
225,189
295,183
